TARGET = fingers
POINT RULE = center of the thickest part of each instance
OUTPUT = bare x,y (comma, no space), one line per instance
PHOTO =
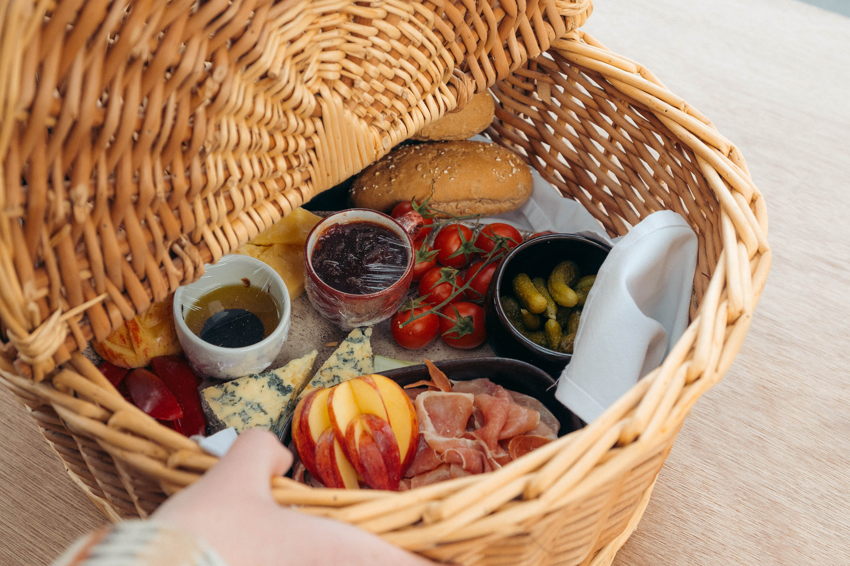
252,461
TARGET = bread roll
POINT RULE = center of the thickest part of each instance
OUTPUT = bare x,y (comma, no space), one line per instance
470,120
461,177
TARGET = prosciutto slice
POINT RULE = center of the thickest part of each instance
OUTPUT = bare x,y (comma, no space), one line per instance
467,427
547,419
519,420
426,459
494,412
443,414
441,473
476,386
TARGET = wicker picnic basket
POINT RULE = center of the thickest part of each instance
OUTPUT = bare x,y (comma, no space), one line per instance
141,139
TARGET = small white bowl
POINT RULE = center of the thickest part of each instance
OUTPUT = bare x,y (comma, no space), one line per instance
229,363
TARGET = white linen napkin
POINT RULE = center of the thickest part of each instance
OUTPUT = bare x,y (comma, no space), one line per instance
638,307
635,312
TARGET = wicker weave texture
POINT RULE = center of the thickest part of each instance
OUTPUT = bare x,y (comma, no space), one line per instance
142,139
600,128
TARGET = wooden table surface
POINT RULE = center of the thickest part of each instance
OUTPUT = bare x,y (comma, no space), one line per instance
760,474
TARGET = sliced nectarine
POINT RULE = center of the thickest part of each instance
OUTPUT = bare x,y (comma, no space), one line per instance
402,417
374,452
334,470
309,421
352,398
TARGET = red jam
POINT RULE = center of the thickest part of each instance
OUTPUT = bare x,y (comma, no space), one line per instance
360,258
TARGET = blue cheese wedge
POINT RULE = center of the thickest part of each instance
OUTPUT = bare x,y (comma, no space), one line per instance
256,400
352,359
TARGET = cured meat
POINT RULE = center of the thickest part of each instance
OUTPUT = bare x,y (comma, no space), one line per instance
443,414
543,430
546,416
456,471
481,386
415,392
426,459
472,427
495,412
518,421
465,452
441,473
438,377
523,444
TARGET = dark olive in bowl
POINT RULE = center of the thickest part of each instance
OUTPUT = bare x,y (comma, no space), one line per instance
536,258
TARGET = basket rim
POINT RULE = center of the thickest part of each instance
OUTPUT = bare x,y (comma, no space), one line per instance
642,423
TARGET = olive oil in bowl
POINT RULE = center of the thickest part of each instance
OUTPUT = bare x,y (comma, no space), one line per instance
234,316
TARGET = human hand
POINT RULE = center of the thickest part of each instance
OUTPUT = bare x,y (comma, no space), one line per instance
232,509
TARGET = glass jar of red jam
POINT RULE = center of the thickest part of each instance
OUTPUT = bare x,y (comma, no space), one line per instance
359,267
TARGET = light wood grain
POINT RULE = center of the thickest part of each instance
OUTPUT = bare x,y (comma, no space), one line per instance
759,474
41,510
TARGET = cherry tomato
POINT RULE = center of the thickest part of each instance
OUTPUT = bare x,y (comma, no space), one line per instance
425,259
455,246
464,328
478,277
403,208
436,285
498,234
418,333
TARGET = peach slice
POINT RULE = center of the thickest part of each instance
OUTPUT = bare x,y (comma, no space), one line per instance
352,398
309,421
333,468
402,417
374,451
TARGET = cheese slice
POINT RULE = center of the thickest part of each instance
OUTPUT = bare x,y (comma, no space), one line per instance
352,359
257,400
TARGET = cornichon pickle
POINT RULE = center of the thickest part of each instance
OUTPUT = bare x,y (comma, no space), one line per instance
531,321
566,344
571,272
551,305
512,311
563,315
572,324
553,333
515,315
585,282
528,295
538,337
558,287
582,288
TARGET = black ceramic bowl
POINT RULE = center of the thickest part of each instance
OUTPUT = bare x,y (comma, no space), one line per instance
536,258
510,374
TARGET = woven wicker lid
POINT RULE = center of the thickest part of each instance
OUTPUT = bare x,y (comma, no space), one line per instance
142,140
